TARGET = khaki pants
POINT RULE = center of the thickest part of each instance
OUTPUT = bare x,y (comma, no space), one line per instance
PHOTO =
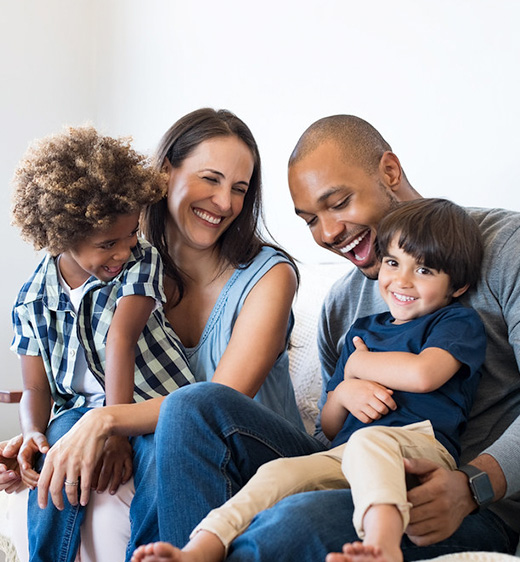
370,463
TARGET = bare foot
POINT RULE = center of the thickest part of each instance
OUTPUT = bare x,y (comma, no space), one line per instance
157,552
359,552
204,547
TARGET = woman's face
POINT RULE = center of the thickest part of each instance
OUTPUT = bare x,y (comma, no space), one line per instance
206,193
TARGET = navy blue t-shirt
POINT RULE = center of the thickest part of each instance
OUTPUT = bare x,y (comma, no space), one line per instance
454,328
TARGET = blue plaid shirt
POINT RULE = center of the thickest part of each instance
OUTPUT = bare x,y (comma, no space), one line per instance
45,324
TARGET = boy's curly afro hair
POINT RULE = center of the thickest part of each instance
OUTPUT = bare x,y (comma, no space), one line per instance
76,182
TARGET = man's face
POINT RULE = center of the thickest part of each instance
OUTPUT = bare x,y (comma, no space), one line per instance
342,204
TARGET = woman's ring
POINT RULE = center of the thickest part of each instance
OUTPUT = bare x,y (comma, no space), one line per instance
69,483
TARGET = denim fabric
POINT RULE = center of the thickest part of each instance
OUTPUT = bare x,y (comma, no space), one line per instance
210,440
307,526
143,509
53,534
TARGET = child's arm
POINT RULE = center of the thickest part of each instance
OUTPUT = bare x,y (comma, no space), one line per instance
365,400
410,372
35,408
130,318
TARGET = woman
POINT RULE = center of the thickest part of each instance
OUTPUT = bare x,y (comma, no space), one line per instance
229,292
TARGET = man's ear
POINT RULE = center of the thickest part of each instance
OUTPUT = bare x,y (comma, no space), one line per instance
390,170
460,291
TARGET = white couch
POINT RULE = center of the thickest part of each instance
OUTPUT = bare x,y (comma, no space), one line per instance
306,376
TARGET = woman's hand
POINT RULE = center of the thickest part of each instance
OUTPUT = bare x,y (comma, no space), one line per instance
71,461
10,479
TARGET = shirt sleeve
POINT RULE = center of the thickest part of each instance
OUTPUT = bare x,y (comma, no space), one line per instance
461,333
144,276
24,341
503,274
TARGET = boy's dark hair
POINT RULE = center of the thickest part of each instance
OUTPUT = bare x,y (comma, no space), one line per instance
437,233
69,185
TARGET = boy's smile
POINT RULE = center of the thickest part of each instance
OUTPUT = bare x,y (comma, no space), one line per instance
103,254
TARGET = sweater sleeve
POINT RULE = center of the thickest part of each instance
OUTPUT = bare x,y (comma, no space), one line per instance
503,274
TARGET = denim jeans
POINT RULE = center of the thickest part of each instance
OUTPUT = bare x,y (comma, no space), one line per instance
210,440
54,535
307,526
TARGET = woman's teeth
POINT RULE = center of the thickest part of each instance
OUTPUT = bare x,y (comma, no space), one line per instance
207,217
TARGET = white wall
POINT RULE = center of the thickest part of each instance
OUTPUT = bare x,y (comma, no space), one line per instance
47,75
438,78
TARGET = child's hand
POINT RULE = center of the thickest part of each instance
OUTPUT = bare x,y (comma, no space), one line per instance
366,400
10,480
115,466
33,443
355,361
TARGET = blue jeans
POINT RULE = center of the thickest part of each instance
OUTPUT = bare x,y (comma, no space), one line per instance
210,440
54,535
307,526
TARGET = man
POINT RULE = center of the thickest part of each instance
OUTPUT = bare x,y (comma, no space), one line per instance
343,178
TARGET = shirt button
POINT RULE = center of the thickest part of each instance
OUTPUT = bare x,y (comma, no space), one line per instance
72,352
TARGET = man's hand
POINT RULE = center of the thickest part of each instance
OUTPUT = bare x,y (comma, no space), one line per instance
115,466
440,502
10,479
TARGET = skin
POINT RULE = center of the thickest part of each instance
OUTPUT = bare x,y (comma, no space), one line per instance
318,183
205,195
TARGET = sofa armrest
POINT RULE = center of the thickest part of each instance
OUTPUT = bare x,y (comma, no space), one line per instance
10,396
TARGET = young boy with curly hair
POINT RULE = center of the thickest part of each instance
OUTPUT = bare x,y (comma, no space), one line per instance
424,354
88,325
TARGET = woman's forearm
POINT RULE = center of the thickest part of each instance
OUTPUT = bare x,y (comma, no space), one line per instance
128,419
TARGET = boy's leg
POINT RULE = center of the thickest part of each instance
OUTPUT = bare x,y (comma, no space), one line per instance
54,535
274,481
210,440
307,526
373,464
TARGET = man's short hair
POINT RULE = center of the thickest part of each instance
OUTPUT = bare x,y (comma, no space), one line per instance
360,143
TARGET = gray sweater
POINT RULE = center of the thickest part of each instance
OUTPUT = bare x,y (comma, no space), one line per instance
494,423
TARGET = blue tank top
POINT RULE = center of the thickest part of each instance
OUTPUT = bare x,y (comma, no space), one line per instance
277,392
